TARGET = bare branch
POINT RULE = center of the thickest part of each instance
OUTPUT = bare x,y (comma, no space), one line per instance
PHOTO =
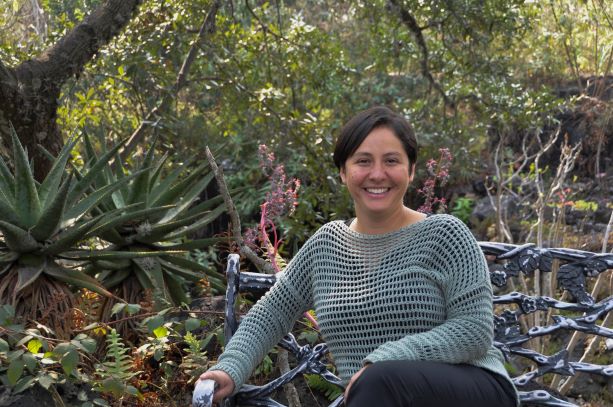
206,30
411,23
245,250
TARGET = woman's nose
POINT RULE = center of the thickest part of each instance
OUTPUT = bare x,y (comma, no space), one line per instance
377,172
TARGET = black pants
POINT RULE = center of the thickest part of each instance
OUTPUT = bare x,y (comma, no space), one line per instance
402,383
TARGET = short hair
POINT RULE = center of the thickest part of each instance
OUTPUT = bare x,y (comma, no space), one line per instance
359,127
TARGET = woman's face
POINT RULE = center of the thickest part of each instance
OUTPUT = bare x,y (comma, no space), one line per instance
378,174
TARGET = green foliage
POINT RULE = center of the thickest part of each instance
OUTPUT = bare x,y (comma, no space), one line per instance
149,242
28,357
329,390
462,208
117,369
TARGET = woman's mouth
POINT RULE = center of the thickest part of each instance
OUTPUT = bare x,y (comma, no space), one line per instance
377,191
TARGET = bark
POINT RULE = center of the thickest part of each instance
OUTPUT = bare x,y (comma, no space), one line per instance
29,93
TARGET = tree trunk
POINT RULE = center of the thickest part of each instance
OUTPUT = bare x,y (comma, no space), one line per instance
29,93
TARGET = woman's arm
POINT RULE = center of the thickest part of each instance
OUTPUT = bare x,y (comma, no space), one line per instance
268,320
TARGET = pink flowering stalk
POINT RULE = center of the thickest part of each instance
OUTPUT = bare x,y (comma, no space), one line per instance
280,201
438,172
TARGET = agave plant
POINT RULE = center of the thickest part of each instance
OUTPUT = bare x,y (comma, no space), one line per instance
149,244
41,224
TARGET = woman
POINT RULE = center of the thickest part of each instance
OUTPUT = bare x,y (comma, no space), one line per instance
403,300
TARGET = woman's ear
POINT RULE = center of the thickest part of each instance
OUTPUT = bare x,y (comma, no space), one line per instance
342,174
411,172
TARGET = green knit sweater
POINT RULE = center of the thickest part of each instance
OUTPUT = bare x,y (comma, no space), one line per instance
418,293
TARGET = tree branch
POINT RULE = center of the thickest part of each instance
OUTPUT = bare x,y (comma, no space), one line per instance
411,23
206,30
245,250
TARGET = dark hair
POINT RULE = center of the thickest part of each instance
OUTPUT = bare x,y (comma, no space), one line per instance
359,126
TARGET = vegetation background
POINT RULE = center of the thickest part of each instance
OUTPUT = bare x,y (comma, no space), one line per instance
513,99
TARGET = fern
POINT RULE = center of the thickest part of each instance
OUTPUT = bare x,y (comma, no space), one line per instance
329,390
116,369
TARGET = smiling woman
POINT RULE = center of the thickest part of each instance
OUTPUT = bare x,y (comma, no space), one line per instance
377,174
403,300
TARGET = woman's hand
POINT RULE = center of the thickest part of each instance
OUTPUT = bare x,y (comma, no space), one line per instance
225,384
353,379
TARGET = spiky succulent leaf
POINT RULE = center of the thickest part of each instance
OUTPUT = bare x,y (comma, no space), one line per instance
169,180
187,198
157,232
71,236
206,219
7,212
27,203
183,272
193,244
140,188
134,216
115,277
177,190
7,184
26,275
75,278
176,289
116,254
157,172
84,205
52,215
50,187
92,172
17,239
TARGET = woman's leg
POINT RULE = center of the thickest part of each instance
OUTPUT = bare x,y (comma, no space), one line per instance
402,383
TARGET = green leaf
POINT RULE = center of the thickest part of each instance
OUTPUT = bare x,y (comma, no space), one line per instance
136,215
45,380
171,195
15,370
67,238
92,199
27,203
48,190
7,183
8,213
193,244
187,198
87,344
114,254
23,384
176,289
160,332
27,275
140,187
34,345
52,214
154,322
76,278
69,361
191,324
84,183
17,239
206,219
4,346
30,362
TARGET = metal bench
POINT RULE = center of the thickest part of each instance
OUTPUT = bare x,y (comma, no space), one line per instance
580,313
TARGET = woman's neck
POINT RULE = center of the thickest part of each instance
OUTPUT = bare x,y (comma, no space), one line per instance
375,225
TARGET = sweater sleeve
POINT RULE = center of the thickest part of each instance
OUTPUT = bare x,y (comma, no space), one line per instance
269,319
467,333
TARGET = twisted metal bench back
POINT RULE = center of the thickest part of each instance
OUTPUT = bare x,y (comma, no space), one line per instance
581,314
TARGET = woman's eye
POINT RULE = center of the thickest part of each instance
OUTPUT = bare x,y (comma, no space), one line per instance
362,161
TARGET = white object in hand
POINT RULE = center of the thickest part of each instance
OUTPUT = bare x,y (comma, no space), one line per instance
203,393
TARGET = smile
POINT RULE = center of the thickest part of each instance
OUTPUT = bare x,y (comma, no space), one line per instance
377,190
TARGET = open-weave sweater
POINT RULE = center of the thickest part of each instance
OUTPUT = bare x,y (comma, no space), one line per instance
418,293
